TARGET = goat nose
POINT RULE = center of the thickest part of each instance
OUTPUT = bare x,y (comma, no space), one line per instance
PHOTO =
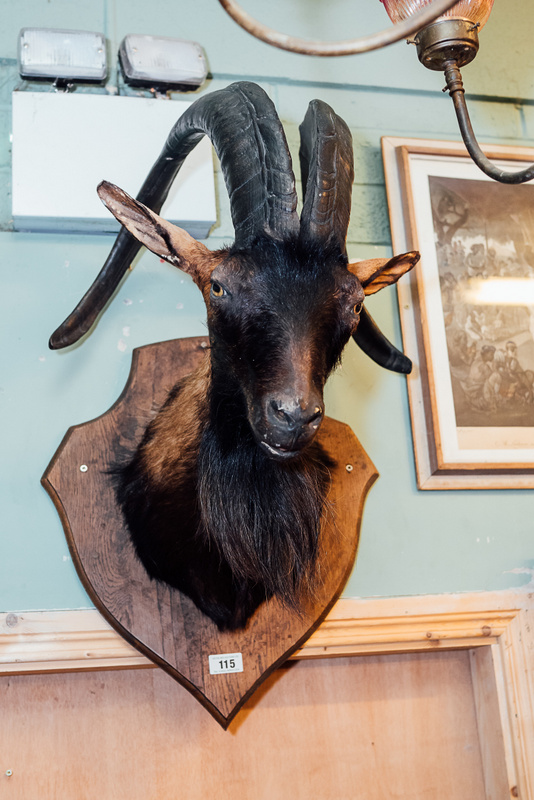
293,416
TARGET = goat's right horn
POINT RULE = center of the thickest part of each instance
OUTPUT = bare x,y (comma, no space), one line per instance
248,137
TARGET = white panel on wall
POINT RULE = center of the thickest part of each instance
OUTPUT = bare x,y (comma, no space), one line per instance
65,144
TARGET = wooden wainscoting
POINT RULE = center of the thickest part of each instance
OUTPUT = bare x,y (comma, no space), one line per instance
394,723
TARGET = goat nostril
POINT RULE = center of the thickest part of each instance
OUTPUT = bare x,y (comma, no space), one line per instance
278,411
315,416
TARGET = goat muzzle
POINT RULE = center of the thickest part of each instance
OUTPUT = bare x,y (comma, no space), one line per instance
287,427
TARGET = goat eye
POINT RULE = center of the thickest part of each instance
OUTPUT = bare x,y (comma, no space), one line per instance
358,308
217,290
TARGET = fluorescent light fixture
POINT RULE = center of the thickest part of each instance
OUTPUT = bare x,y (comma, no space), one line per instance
48,53
158,61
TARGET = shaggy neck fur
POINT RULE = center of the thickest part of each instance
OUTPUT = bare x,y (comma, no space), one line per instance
263,516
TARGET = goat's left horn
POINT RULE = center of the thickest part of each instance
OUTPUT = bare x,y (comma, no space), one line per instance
372,341
327,172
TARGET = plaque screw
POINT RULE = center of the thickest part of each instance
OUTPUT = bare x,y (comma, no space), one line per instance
83,468
349,467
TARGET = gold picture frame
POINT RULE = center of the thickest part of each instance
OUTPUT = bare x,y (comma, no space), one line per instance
467,312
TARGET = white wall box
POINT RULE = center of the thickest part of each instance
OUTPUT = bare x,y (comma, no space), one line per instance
65,144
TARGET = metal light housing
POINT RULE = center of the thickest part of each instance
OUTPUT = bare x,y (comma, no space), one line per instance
161,62
62,55
452,36
446,40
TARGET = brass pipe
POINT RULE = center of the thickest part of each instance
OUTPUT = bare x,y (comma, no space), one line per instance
456,90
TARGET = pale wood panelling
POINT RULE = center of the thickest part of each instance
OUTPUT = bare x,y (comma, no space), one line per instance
372,728
494,630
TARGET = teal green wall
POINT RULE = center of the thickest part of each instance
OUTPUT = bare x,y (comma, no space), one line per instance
412,542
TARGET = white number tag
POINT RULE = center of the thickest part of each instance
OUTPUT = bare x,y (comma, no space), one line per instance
226,662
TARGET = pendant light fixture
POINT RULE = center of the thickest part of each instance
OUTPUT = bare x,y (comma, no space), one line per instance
446,36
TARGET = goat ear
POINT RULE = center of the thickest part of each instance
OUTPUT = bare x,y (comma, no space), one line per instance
161,237
375,273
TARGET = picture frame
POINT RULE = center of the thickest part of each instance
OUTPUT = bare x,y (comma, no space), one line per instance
466,311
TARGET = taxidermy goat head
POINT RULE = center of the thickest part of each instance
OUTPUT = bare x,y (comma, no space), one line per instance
224,496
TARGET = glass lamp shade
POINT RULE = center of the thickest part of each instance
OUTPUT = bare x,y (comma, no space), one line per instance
476,11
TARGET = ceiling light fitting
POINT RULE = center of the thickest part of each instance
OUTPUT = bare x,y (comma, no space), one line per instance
446,36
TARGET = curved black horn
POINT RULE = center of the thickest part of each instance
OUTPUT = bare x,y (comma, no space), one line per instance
327,172
248,137
372,341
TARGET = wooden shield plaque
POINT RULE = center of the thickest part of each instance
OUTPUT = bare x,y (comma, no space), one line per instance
160,621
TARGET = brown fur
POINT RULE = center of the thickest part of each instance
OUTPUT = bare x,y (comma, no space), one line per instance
177,429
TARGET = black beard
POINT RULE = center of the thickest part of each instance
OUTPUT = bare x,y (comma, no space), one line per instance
264,517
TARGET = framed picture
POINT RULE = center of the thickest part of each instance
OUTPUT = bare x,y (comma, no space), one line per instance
467,312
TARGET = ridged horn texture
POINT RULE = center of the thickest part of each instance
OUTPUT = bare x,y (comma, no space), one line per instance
249,140
327,173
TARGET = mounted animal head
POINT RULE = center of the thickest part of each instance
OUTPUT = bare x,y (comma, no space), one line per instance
283,301
225,494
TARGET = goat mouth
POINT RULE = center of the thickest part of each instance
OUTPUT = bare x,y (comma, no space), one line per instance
278,452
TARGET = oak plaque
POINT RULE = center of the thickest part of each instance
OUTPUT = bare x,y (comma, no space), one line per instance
221,669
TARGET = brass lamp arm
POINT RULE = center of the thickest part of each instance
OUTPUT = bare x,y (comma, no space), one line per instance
311,47
455,88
